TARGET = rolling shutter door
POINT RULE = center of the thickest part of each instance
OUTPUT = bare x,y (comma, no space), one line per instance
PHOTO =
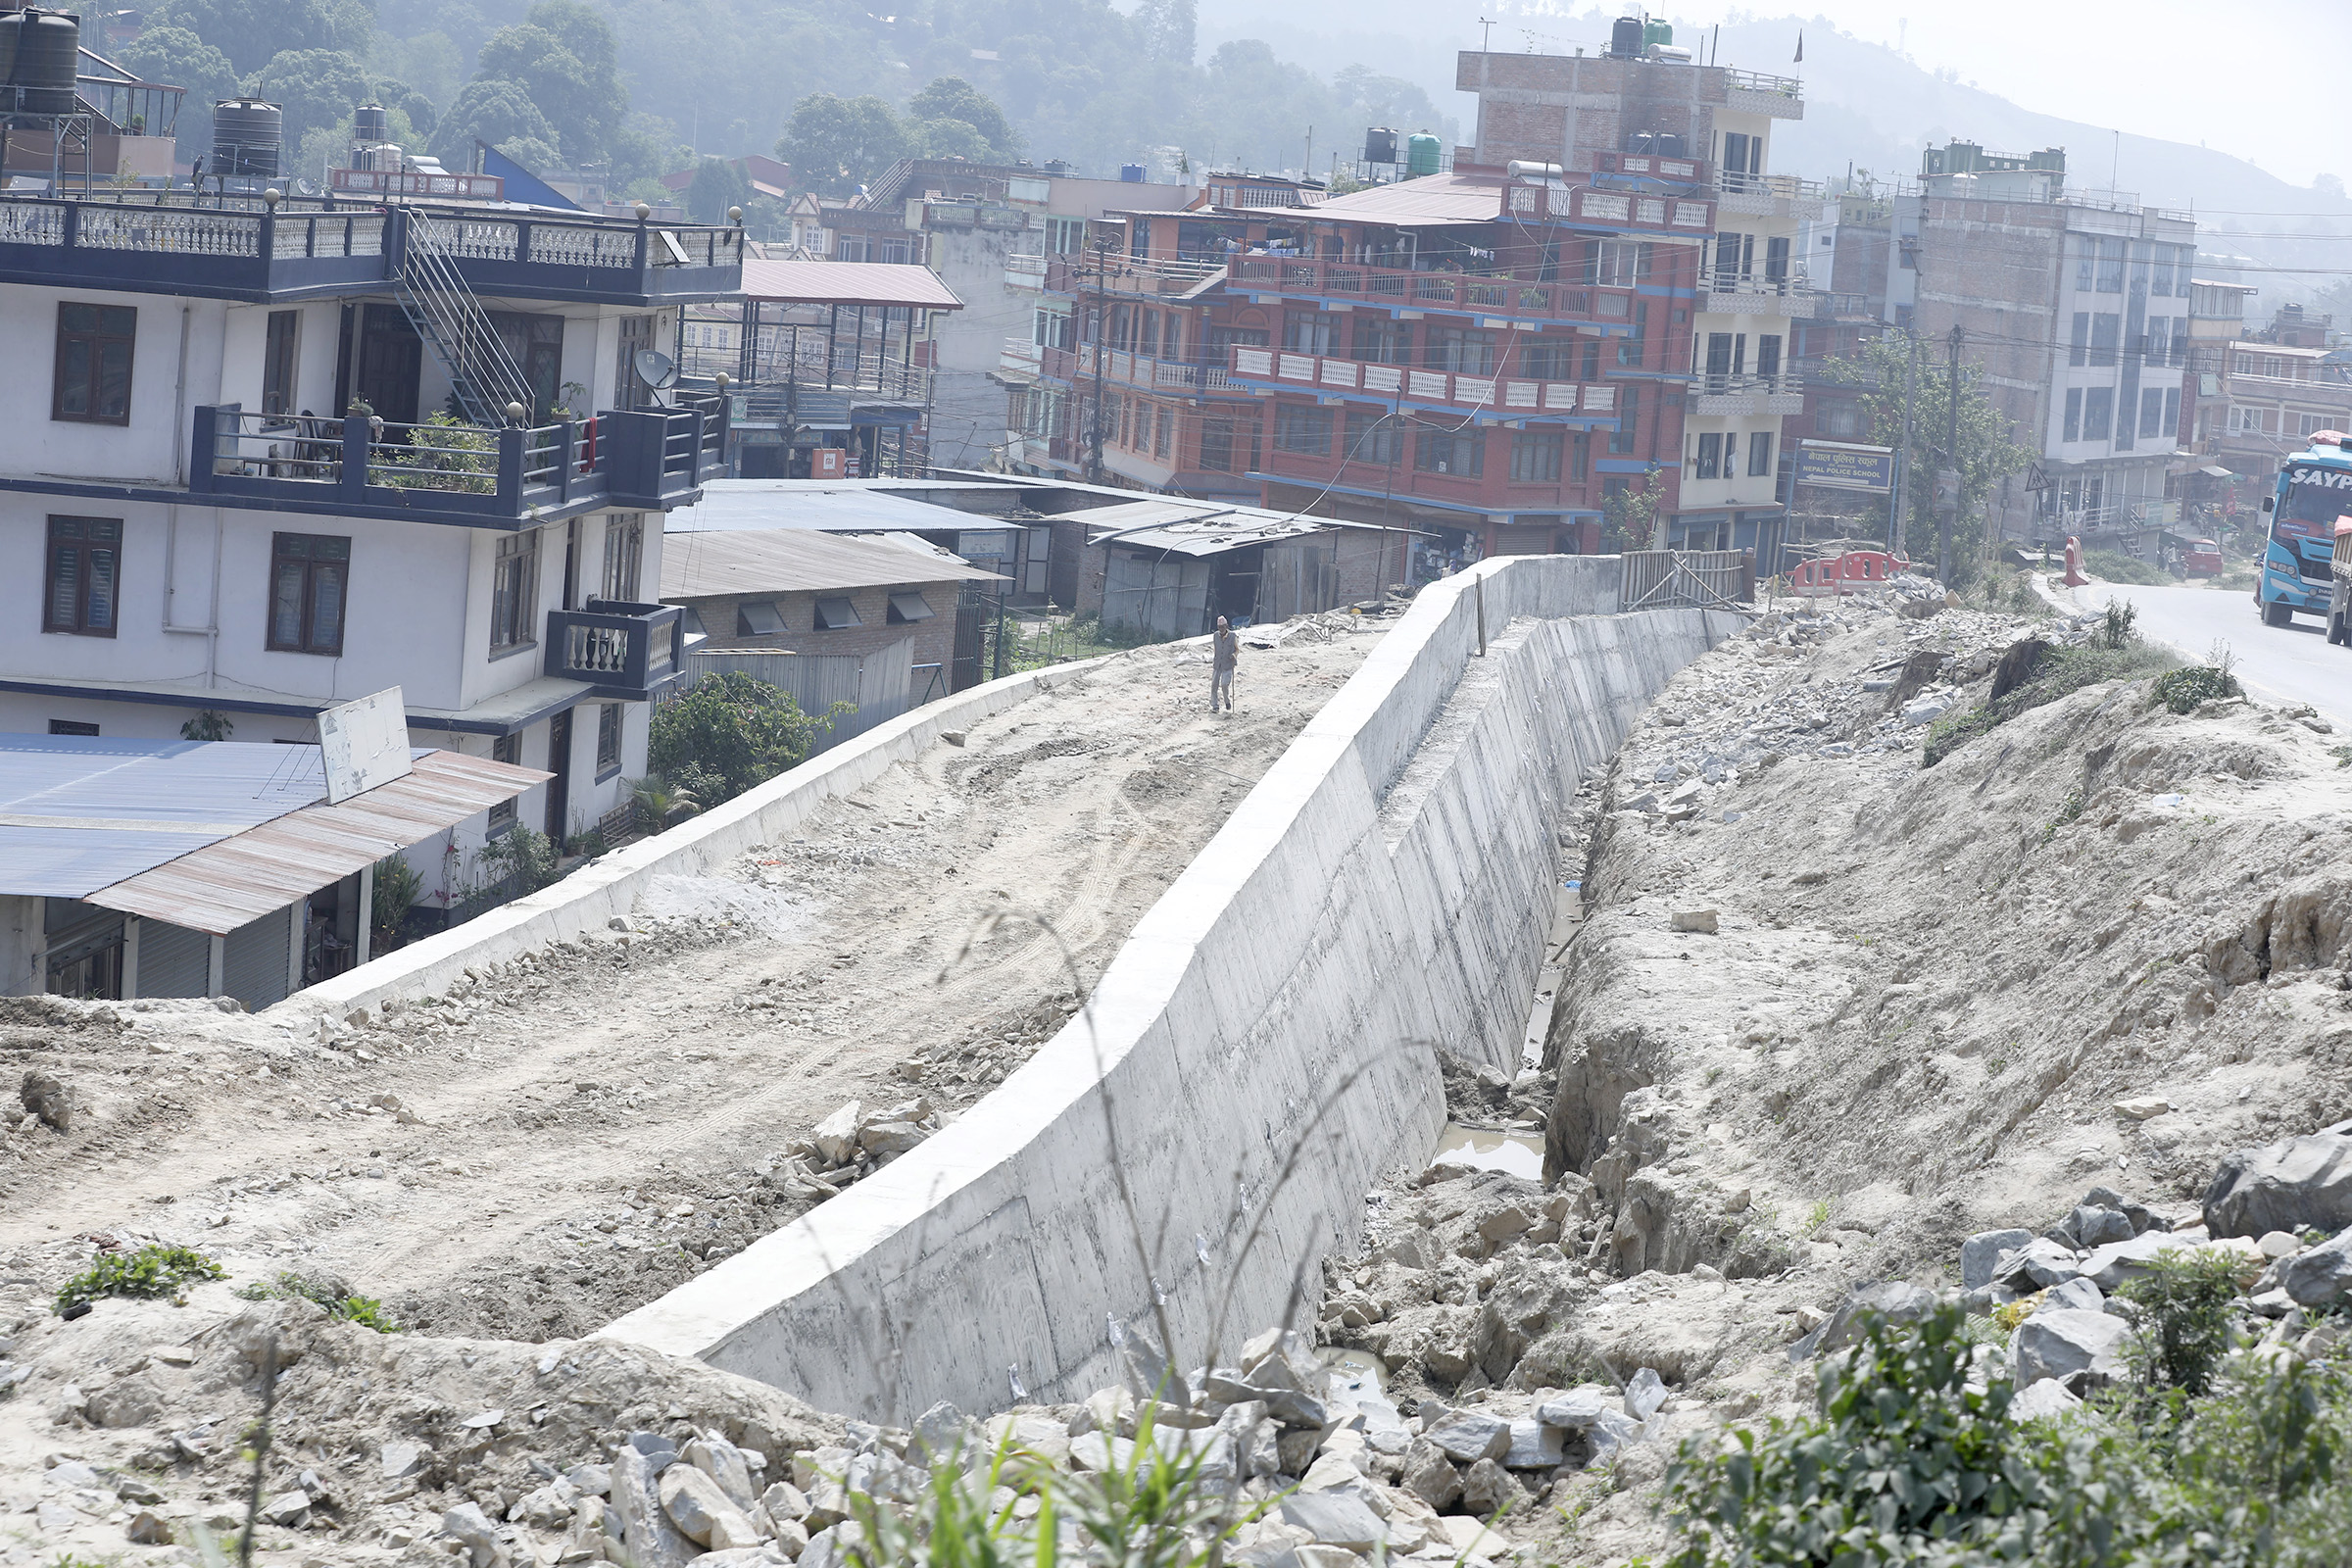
254,968
173,960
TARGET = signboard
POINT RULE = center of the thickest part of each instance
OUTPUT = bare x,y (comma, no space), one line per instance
364,744
828,463
1840,465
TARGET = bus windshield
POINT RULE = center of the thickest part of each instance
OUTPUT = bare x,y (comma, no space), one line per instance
2314,498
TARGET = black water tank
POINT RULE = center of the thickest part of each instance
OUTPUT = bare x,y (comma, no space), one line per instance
369,125
1625,38
48,60
1380,145
12,28
247,135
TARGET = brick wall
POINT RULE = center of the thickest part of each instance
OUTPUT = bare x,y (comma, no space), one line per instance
934,639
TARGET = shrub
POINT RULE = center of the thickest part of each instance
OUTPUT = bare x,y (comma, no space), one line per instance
365,1310
727,732
2113,565
2062,673
397,884
522,856
2181,690
2183,1320
152,1270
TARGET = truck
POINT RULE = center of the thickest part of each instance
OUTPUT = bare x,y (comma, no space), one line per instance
2298,573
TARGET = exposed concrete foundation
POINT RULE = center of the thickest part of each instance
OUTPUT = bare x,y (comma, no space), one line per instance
1260,1048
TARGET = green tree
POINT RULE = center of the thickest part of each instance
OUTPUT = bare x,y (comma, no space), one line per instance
717,186
837,144
1987,453
1629,520
180,57
728,732
962,112
495,111
316,88
565,56
251,33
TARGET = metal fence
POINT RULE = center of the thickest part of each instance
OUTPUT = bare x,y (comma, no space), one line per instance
878,685
1703,580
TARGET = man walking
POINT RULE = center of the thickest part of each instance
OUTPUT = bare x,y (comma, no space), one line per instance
1226,648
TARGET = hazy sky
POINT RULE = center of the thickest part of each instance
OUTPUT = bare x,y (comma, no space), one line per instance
2262,79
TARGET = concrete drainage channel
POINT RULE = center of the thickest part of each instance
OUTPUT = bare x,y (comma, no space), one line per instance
1260,1052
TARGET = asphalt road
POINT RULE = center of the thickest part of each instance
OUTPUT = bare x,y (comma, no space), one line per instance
2288,664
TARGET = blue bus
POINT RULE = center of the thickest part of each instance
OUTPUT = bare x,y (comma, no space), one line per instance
2315,488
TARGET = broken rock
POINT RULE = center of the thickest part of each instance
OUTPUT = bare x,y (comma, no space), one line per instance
1467,1437
2067,1346
1981,1252
44,1097
1702,921
2323,1276
2304,1183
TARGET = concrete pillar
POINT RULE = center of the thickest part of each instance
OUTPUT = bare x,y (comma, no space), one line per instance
215,968
130,958
294,924
366,912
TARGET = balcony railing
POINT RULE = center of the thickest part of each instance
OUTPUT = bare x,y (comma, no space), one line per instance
1653,166
455,474
1464,292
1757,81
626,651
1126,274
1505,397
142,239
1136,369
1729,294
1785,187
1024,272
1593,207
1720,385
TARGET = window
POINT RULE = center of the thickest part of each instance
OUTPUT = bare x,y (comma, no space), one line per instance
2305,424
2151,413
624,556
2074,415
758,618
1621,439
1592,360
1842,422
2111,264
1311,332
1580,456
1065,236
1297,429
85,562
1535,457
93,363
1380,341
1374,437
1710,456
308,577
2106,331
277,363
1768,359
2172,407
1051,329
507,749
1616,263
608,740
2252,421
1228,446
1457,349
2160,280
907,607
833,614
2098,413
1776,259
1759,455
2158,349
1735,259
514,592
2086,254
71,726
1461,453
2079,352
1164,440
1548,359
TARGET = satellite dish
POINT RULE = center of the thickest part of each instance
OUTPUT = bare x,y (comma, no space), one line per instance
655,369
306,188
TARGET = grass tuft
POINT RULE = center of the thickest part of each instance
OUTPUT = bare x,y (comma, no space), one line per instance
154,1270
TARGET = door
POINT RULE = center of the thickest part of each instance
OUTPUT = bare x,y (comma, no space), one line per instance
558,788
391,360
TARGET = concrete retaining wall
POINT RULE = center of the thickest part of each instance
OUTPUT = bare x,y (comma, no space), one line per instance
1257,1051
590,897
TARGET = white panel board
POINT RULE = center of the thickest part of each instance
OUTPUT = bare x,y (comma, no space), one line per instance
365,742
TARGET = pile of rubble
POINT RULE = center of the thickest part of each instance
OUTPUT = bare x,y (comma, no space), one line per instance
850,1146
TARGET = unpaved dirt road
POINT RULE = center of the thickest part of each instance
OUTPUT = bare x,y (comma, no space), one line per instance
545,1149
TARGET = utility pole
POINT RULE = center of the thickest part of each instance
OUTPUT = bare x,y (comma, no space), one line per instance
1951,455
1903,468
1094,463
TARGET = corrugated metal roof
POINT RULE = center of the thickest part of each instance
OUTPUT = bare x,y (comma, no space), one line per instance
78,812
774,561
800,503
847,283
236,880
1434,199
1198,529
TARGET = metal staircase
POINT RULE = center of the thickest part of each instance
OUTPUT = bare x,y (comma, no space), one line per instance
449,319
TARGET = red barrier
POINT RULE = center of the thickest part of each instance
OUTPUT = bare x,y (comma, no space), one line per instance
1843,575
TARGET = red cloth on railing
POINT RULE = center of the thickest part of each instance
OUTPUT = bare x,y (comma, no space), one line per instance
588,444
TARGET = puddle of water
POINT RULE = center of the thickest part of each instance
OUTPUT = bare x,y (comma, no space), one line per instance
1512,1153
1356,1374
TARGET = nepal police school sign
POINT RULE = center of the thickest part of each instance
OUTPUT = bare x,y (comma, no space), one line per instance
1839,466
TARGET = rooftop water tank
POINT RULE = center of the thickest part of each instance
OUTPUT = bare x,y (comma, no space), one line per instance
1655,32
1626,41
247,137
12,28
1420,154
371,125
48,58
1131,174
1380,145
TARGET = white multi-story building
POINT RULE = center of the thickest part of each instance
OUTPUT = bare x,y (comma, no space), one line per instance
235,498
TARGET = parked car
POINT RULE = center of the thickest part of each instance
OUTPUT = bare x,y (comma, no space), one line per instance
2202,558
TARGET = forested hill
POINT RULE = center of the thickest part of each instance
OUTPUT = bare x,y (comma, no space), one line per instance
583,82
